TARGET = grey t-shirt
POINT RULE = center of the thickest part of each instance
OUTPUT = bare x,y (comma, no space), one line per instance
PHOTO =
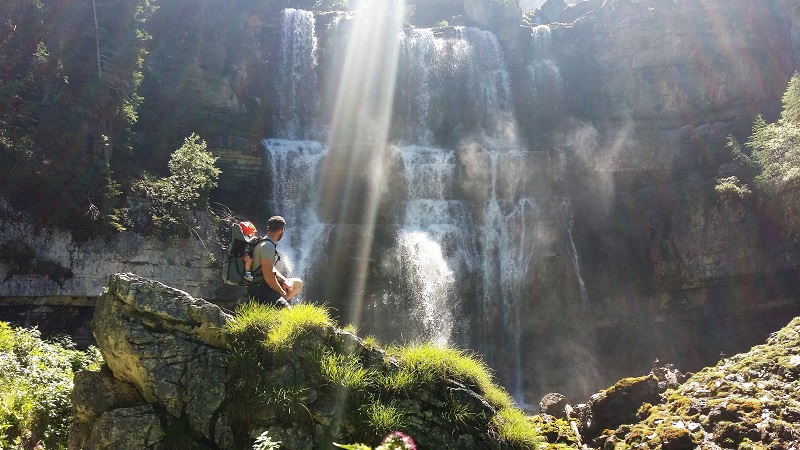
263,250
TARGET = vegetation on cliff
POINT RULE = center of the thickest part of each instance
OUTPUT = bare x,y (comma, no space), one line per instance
771,159
288,362
69,74
35,386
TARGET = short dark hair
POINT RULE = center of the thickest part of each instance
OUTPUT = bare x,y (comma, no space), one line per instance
276,223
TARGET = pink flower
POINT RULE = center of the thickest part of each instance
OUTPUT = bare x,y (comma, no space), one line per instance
398,441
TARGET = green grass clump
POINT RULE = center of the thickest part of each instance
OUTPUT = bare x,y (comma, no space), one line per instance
275,353
426,363
35,386
514,428
277,329
346,371
383,418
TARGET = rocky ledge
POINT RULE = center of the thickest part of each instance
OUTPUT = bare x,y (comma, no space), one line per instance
748,401
181,372
173,378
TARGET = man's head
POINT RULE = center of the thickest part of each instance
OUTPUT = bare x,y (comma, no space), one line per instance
276,225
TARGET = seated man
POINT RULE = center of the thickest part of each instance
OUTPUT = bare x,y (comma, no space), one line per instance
269,286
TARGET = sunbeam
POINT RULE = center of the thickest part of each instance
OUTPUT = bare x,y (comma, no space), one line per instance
360,129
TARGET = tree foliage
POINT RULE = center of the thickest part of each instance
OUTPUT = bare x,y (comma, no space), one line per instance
68,97
775,153
35,386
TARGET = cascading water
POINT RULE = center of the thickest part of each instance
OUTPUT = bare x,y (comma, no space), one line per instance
548,86
451,85
434,240
566,207
294,167
298,78
461,244
507,242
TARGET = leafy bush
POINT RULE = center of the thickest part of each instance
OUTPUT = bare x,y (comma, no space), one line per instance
35,385
172,199
731,187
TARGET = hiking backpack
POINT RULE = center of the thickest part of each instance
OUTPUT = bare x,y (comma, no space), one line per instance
233,264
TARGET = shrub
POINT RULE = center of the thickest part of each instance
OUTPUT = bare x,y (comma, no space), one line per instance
731,187
172,199
35,385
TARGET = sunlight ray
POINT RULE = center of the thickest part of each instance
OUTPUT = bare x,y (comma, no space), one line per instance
360,129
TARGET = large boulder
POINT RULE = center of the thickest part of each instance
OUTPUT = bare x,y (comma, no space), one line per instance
167,344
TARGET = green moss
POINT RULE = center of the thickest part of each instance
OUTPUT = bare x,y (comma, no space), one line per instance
555,431
744,405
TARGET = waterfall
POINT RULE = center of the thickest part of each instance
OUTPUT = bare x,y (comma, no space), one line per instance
507,240
434,241
567,208
294,166
450,86
297,93
548,86
466,220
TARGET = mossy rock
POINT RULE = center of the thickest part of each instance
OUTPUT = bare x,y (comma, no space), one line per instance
676,438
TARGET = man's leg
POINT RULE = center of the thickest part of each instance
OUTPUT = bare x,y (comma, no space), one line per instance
262,293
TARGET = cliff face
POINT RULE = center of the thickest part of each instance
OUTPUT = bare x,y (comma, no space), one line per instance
628,124
47,264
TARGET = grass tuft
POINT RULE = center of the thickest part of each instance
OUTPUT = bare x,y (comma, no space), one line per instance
425,363
346,371
383,418
277,329
514,428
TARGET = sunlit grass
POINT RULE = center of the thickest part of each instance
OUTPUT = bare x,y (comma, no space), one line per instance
346,371
426,363
514,428
377,397
383,418
278,328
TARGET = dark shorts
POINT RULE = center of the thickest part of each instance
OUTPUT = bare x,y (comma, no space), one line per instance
262,293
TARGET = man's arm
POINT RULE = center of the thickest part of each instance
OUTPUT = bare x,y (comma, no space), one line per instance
271,275
283,282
